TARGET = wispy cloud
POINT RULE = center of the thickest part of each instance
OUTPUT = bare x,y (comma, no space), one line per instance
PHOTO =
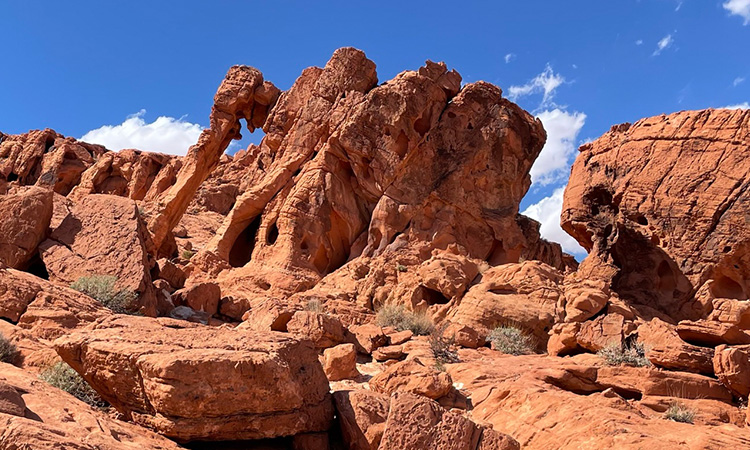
744,105
163,135
553,164
547,212
546,83
738,8
663,44
639,42
737,81
509,57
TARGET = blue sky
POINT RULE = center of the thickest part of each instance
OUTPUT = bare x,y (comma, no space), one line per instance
581,66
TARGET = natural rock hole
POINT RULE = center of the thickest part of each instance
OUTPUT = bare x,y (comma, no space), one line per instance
242,249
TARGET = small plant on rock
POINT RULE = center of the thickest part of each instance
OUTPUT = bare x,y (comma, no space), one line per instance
443,348
187,254
627,354
680,413
401,267
8,350
102,288
511,340
314,306
398,317
62,376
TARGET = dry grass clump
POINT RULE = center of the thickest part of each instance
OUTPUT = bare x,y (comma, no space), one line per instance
62,376
443,348
398,317
680,413
8,350
511,340
314,306
629,355
102,288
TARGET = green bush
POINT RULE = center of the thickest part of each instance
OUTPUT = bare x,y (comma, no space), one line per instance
8,350
187,254
629,355
62,376
400,318
102,288
511,340
443,348
680,413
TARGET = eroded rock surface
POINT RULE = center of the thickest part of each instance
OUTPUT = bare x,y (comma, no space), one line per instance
662,207
193,382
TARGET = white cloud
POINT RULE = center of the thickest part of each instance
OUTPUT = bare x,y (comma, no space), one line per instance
546,82
509,57
744,105
553,162
639,42
738,8
163,135
547,212
663,44
737,81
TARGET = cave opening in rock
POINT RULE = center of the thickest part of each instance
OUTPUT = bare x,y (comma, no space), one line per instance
272,234
725,287
12,177
36,267
433,297
242,249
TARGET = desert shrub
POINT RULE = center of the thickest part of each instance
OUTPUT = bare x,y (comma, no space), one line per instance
400,318
511,340
8,350
62,376
680,413
628,355
314,306
401,267
443,348
187,254
102,288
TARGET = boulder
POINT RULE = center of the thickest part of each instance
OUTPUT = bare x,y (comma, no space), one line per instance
203,297
362,415
192,382
43,309
388,352
665,348
35,415
26,216
418,422
340,362
412,376
524,295
324,330
103,235
369,337
732,368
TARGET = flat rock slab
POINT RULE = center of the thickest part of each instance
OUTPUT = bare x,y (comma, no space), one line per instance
193,382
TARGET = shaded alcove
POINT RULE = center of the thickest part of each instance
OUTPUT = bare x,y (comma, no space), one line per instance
242,249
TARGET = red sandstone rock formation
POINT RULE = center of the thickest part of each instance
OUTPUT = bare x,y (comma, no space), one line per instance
662,206
242,95
35,415
26,216
364,194
193,382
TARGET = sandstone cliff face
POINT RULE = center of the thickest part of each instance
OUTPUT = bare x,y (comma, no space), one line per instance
663,204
